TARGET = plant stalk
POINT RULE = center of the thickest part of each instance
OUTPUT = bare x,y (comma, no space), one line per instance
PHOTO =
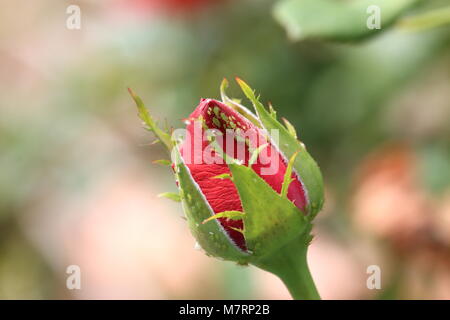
291,266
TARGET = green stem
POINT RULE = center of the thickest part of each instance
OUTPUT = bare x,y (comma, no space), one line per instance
291,266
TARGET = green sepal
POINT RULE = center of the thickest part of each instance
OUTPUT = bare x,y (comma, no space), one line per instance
233,215
170,195
255,154
272,111
163,162
304,165
270,221
234,103
210,236
145,116
290,128
222,176
287,176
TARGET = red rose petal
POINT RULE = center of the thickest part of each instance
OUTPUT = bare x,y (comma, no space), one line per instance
221,193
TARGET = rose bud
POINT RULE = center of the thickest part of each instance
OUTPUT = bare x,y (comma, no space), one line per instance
249,188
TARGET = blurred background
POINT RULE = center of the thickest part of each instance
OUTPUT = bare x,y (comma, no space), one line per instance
77,183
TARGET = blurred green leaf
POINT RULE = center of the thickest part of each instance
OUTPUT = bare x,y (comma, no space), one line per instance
336,20
429,19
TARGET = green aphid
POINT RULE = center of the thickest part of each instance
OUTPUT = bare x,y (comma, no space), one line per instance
216,122
233,125
224,117
216,111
